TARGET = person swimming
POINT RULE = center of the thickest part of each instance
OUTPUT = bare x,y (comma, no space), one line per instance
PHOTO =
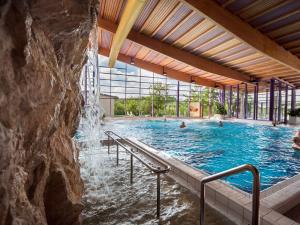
296,140
182,125
221,124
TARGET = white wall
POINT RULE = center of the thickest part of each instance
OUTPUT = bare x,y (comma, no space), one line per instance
107,106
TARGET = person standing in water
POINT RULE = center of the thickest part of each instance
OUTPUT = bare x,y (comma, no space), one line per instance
182,125
296,140
221,124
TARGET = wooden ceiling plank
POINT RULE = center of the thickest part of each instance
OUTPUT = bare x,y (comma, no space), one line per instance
225,59
160,70
228,56
231,43
244,32
178,25
227,3
198,36
292,44
167,19
132,10
287,35
253,4
209,41
293,27
277,5
180,55
278,19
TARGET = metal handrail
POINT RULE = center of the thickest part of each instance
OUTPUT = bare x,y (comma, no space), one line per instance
156,170
239,169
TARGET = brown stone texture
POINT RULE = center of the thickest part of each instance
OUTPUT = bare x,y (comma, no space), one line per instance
42,51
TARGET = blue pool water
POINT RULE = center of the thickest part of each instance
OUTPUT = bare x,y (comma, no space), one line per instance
211,148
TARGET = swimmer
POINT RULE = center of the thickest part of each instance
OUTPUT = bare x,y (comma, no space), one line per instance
296,140
182,125
221,124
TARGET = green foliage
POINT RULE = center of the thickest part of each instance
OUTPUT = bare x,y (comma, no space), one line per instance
294,112
220,109
119,107
166,105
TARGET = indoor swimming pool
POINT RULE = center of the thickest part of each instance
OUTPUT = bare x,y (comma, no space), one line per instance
210,148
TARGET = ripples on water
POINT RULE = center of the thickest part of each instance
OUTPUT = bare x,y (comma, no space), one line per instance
110,199
211,148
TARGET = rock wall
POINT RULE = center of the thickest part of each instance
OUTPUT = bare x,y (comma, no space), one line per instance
42,51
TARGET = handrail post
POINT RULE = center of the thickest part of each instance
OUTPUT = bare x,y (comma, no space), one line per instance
117,154
255,196
108,143
131,169
158,194
202,203
239,169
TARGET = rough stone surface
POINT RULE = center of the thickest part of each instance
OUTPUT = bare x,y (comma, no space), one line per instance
42,50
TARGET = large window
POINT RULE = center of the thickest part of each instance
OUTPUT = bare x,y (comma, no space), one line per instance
128,90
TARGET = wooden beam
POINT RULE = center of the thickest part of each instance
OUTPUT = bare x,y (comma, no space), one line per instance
132,10
244,32
161,70
178,54
276,78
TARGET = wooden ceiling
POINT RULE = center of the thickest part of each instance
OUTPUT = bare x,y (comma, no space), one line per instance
221,42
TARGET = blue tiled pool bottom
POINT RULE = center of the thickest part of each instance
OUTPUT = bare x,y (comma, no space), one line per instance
211,148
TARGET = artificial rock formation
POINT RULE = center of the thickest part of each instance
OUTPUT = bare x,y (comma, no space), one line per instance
42,51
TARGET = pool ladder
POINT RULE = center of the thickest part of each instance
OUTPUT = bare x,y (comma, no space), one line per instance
157,170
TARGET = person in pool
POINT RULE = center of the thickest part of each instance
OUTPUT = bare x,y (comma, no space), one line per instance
221,124
182,125
296,140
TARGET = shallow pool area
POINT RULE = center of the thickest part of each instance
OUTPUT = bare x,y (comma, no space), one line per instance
206,146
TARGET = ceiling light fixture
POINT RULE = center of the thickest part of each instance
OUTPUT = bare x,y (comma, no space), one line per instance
164,72
192,80
131,61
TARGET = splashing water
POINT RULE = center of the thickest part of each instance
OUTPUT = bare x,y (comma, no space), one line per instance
89,133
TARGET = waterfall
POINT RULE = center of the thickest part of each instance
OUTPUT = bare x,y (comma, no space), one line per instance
93,171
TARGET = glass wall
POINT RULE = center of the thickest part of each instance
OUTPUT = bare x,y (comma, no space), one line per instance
137,92
131,91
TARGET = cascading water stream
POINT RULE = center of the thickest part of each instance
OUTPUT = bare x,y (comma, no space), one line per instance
92,167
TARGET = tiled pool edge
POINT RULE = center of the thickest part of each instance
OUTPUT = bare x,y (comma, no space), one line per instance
283,196
231,202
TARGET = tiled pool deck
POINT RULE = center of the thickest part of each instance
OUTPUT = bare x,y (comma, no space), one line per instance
232,202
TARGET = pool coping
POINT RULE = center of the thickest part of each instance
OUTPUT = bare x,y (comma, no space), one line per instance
232,202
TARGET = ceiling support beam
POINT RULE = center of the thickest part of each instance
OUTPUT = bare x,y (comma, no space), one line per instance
163,70
132,10
178,54
244,32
